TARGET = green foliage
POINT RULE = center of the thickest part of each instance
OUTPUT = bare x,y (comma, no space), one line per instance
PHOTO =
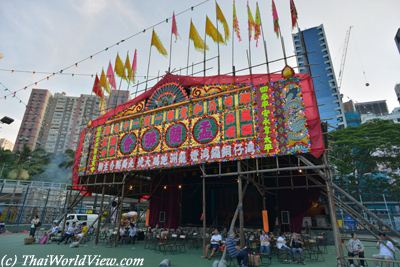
24,164
359,152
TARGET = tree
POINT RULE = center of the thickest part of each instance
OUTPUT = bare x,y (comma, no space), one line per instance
359,153
68,161
27,163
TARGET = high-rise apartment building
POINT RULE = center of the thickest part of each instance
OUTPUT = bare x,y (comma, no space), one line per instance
378,107
31,124
397,90
62,118
66,116
116,98
313,57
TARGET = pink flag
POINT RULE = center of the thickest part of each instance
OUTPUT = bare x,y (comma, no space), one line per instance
174,29
276,19
134,66
111,77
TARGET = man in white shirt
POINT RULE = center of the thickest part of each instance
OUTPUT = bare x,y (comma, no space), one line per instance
386,249
215,242
281,244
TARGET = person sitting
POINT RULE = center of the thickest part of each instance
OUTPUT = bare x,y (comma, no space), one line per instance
281,245
123,234
215,242
82,232
265,244
132,233
296,246
55,229
234,251
355,248
69,234
164,235
386,249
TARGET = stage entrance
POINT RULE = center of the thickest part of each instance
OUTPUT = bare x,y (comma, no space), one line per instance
288,195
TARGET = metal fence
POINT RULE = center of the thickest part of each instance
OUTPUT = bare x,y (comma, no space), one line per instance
21,200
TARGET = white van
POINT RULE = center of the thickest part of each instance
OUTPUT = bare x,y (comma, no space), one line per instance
81,218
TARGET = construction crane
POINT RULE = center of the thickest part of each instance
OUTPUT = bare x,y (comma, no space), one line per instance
343,61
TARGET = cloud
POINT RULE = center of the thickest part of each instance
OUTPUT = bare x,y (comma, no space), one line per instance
90,7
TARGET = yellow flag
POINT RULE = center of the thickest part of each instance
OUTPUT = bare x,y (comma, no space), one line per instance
119,67
128,68
155,41
213,32
103,82
195,37
221,18
251,22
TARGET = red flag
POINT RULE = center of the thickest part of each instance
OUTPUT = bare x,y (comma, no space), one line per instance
96,87
236,22
174,29
276,19
293,12
134,65
110,76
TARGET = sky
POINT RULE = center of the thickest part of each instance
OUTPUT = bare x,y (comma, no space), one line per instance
47,36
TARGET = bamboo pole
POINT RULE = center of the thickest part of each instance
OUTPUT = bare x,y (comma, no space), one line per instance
121,204
100,212
204,213
241,215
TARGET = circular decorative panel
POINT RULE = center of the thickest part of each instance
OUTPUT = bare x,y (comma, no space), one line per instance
128,143
150,139
205,130
176,135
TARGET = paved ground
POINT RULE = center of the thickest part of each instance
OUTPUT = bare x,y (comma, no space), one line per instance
12,244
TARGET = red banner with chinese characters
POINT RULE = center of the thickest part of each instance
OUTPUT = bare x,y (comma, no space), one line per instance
185,121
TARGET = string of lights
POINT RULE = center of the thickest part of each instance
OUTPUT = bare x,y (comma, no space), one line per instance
76,64
73,74
13,94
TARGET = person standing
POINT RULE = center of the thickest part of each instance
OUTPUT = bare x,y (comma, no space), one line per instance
35,223
386,249
355,248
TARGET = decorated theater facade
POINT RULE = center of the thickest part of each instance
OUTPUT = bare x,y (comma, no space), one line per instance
164,141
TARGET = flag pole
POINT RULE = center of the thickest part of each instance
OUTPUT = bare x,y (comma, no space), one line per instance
249,53
250,31
137,88
233,44
148,67
233,55
129,79
170,51
283,46
265,51
216,21
188,51
204,50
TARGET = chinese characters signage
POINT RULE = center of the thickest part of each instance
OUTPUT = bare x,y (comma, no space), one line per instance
230,123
